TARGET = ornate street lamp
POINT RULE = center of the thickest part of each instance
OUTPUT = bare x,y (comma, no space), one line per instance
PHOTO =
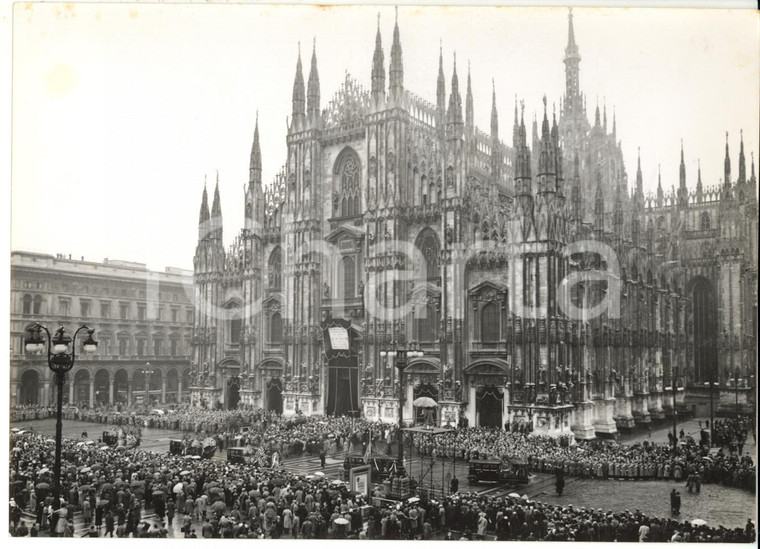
402,356
61,354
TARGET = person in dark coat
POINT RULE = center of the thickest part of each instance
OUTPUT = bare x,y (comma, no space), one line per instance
169,512
110,522
98,517
454,485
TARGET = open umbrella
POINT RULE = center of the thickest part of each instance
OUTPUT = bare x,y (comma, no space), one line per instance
698,522
119,484
21,432
177,488
219,507
525,497
121,447
85,488
337,482
514,495
424,402
212,484
15,430
105,447
43,471
319,474
42,486
80,443
90,442
107,486
194,457
185,472
341,521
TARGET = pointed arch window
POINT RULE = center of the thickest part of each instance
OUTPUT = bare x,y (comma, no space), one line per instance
347,184
347,280
490,323
274,269
704,221
428,253
275,329
27,304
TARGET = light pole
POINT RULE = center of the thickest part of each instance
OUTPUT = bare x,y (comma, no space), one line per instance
736,391
148,372
402,356
61,353
674,370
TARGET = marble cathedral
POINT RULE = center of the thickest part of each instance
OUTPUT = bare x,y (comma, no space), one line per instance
403,223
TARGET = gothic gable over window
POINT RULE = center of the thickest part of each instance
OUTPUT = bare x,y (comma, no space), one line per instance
347,174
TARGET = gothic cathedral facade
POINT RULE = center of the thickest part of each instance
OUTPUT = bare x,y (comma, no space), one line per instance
538,288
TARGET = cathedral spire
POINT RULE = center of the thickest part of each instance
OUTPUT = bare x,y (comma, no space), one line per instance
660,194
604,118
682,171
204,214
255,167
378,67
469,110
639,179
572,60
440,91
727,168
516,127
699,180
742,166
614,125
216,212
396,71
312,95
752,173
597,121
455,100
494,114
299,100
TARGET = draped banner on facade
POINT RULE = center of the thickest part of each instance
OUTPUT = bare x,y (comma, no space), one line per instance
342,367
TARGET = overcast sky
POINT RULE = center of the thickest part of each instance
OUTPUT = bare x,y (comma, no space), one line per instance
120,111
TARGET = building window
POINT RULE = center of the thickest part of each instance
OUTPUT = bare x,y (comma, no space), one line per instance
275,329
140,347
105,310
63,307
173,347
531,283
348,174
274,269
122,347
27,304
157,347
490,323
84,308
428,255
189,316
37,304
175,315
141,312
124,311
347,281
704,221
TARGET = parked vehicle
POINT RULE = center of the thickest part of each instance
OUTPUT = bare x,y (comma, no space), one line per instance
510,472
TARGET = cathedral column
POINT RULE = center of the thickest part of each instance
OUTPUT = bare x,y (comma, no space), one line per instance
71,389
110,389
92,392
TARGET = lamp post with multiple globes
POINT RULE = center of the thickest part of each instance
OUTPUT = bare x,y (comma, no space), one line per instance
61,354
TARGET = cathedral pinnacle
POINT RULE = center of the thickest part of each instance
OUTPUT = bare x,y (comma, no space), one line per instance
469,110
742,165
440,93
312,95
396,71
378,67
455,100
255,167
299,99
494,113
727,167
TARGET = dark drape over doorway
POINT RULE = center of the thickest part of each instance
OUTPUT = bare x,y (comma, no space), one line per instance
489,406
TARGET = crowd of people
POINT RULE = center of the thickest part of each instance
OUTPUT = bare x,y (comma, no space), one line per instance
596,459
215,499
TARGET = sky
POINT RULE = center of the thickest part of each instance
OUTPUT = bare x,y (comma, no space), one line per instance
121,111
